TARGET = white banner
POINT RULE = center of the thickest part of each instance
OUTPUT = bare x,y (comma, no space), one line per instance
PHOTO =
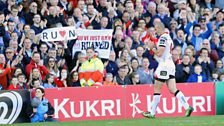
58,34
99,39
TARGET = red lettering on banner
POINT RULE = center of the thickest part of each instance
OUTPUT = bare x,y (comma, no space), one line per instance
127,102
62,33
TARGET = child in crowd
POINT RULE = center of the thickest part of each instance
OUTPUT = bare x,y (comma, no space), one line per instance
197,76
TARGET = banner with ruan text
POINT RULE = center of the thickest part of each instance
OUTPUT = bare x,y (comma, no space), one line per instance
99,39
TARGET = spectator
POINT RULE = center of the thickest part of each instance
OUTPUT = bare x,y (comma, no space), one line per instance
63,80
124,58
197,76
38,25
191,52
4,72
145,74
212,52
55,17
35,74
40,109
36,63
91,71
215,41
219,67
22,82
14,84
32,11
49,81
180,40
196,39
109,80
17,71
75,79
134,64
43,51
52,66
184,70
215,76
122,77
206,63
110,65
135,78
140,50
176,57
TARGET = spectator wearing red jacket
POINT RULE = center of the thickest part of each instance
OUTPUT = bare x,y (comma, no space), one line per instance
14,84
4,72
36,62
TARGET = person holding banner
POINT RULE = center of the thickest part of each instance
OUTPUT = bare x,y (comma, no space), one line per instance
91,71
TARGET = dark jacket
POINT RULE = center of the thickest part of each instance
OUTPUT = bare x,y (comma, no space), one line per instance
181,75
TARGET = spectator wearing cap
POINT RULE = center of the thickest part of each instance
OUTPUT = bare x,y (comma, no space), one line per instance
206,27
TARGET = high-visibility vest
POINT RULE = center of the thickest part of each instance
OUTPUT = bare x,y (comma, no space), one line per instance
91,72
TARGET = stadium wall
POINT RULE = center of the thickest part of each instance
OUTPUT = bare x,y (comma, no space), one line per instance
119,102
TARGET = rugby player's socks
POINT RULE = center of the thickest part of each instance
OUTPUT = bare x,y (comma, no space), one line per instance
180,96
156,100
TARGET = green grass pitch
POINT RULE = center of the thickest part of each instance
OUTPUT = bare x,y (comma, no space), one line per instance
178,121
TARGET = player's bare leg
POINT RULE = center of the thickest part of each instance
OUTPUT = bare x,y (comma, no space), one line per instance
171,83
156,99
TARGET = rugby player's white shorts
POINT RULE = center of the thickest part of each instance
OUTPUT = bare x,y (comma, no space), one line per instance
165,70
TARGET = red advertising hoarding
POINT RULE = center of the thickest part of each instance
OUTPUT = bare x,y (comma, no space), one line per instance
118,102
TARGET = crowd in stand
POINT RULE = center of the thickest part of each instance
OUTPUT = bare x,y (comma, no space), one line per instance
196,27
